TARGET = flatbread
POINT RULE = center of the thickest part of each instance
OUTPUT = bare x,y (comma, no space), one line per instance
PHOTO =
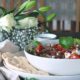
20,63
7,55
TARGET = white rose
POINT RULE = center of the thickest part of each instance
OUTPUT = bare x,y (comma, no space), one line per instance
7,22
28,22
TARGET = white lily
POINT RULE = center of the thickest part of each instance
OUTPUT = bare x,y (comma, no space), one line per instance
7,22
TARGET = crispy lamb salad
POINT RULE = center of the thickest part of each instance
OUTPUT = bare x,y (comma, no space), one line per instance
67,48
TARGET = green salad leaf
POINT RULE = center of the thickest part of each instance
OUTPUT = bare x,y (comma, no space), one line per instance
35,43
66,42
76,41
31,46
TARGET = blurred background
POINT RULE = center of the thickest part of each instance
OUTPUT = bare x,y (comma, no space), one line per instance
68,13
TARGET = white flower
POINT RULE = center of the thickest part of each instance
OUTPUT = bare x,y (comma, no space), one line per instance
28,22
7,22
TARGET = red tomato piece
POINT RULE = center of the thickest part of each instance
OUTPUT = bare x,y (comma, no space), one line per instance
39,48
74,56
58,47
52,53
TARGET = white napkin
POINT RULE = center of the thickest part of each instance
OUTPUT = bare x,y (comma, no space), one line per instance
10,75
8,46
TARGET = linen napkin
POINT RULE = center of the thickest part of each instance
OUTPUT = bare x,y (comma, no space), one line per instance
6,74
8,46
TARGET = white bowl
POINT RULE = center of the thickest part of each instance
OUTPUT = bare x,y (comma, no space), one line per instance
45,37
39,77
55,66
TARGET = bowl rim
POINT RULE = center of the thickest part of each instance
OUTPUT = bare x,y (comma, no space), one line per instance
46,36
49,58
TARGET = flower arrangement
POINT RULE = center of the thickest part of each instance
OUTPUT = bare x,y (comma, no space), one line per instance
23,16
20,24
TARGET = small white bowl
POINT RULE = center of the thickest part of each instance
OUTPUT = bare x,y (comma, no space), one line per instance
46,38
55,66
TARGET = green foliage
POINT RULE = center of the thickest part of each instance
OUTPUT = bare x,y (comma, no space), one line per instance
44,9
22,7
33,14
26,6
40,11
76,41
21,16
25,10
3,11
30,5
35,43
66,42
50,17
32,45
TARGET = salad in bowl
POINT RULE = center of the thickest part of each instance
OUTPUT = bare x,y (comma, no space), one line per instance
66,47
62,58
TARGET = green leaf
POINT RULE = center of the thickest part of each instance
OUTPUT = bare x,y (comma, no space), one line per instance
33,14
35,43
31,46
11,11
66,42
44,9
23,6
21,16
76,41
26,6
30,5
50,17
4,11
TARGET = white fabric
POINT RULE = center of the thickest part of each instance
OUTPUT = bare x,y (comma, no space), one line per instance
10,75
8,46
